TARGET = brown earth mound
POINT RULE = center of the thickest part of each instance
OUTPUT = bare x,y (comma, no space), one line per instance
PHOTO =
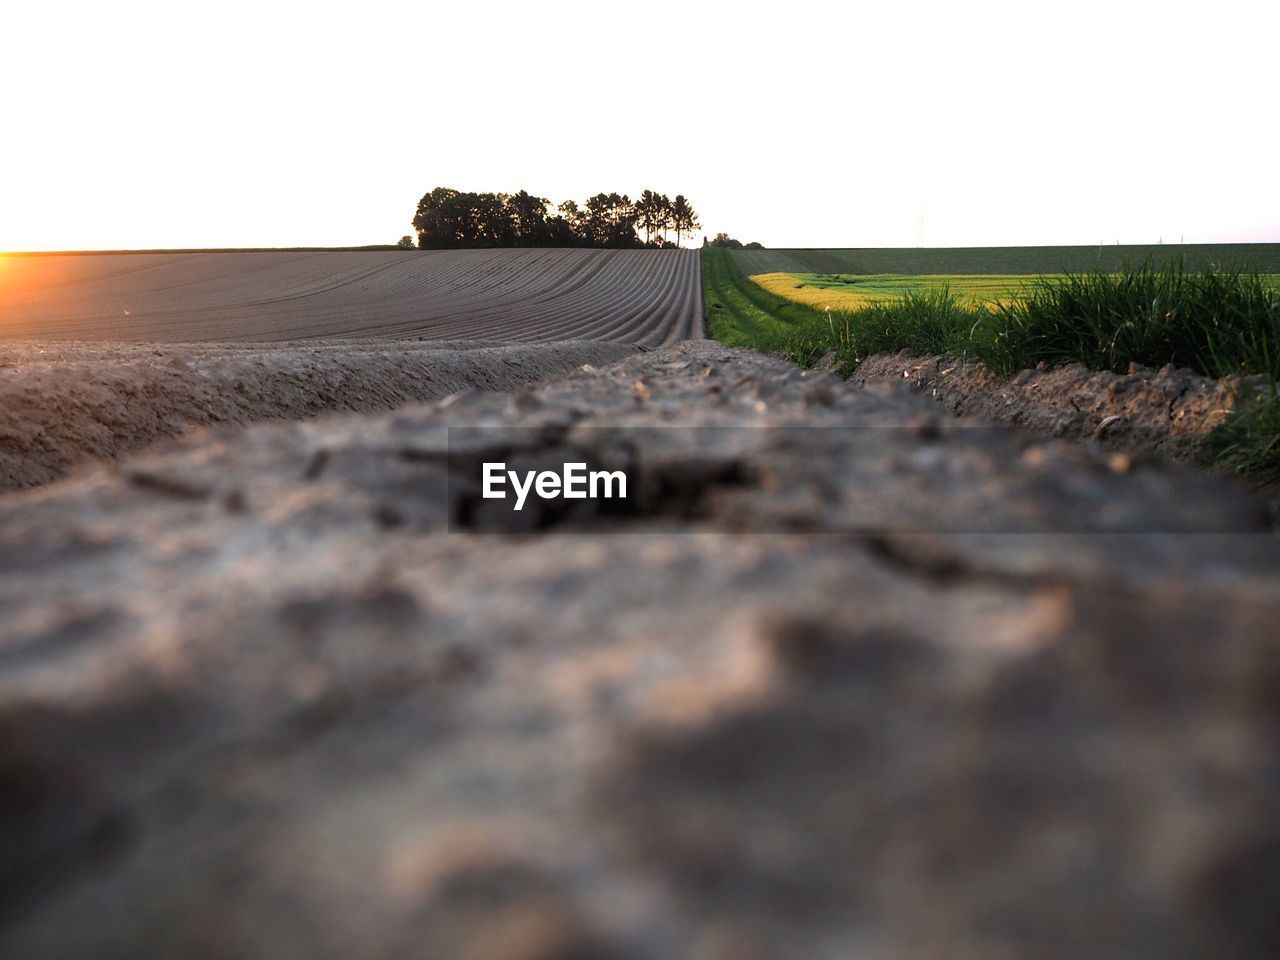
275,694
1166,412
64,403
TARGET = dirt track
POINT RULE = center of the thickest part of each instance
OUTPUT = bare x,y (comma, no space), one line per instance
65,403
257,702
633,296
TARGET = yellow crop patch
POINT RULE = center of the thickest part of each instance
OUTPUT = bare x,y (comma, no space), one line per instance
851,292
793,287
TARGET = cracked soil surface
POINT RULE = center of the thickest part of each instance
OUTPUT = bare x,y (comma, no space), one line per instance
846,678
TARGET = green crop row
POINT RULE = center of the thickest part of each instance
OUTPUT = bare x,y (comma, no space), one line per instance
1217,322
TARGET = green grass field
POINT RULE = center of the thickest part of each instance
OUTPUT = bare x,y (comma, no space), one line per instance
1215,322
974,261
851,291
743,314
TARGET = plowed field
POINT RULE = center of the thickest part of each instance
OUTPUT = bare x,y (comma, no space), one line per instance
647,297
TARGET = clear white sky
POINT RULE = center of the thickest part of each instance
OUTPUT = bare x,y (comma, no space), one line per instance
151,124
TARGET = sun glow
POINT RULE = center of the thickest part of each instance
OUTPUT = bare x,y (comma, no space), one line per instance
25,278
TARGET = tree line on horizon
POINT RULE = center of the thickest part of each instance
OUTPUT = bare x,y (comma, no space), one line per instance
448,219
726,241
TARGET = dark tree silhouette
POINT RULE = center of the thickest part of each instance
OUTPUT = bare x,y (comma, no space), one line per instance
489,220
433,220
724,240
528,219
662,220
610,221
571,215
653,214
453,219
683,218
560,233
644,214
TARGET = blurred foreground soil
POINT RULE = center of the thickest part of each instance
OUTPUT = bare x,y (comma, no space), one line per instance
847,678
